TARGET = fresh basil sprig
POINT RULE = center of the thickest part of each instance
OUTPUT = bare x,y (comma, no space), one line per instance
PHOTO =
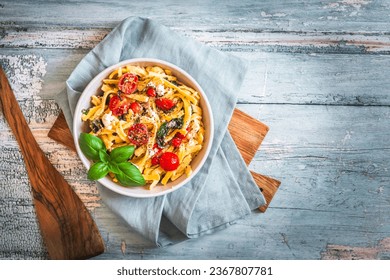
116,162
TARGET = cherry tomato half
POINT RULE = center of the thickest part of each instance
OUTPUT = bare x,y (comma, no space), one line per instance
176,142
135,107
118,106
128,83
165,104
151,92
155,160
157,153
157,149
180,136
138,134
169,161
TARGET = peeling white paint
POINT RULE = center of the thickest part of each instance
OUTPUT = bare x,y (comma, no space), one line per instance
26,74
301,166
265,80
331,18
353,14
278,15
347,137
343,5
355,3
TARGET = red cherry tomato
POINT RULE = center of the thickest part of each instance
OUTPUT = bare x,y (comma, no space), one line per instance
135,107
151,92
118,106
156,148
155,160
157,153
169,161
176,142
164,104
138,134
128,83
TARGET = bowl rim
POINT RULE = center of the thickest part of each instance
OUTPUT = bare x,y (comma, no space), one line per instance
105,181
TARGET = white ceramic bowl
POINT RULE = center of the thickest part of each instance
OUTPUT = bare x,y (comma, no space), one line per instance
93,88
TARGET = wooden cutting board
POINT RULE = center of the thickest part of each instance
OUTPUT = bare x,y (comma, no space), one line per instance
247,133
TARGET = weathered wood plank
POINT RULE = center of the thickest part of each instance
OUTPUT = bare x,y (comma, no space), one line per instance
379,251
264,25
329,16
241,40
273,78
335,166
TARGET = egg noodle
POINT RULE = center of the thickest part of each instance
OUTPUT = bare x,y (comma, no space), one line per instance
177,130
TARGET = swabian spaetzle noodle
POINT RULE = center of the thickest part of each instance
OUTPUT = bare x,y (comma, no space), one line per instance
159,102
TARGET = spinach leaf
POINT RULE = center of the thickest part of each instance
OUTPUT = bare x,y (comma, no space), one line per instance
161,133
165,128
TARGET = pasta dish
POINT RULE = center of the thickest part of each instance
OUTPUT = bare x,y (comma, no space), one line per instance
148,108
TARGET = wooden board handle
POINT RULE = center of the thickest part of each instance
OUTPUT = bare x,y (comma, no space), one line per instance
67,227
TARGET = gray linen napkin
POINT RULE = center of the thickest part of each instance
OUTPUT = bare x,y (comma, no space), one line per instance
224,190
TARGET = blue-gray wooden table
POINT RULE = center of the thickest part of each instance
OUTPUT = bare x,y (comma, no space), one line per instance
319,78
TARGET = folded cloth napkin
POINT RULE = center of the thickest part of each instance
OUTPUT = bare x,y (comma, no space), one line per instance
224,190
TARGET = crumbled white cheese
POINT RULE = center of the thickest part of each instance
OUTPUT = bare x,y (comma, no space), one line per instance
152,152
152,114
160,90
108,119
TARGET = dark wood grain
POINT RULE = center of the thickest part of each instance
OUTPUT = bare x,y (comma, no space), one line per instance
67,227
247,133
60,132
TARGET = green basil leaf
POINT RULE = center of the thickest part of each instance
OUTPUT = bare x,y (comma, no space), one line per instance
103,156
121,154
90,145
98,171
113,166
130,175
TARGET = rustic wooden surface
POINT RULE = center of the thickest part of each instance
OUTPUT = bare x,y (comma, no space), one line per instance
319,80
